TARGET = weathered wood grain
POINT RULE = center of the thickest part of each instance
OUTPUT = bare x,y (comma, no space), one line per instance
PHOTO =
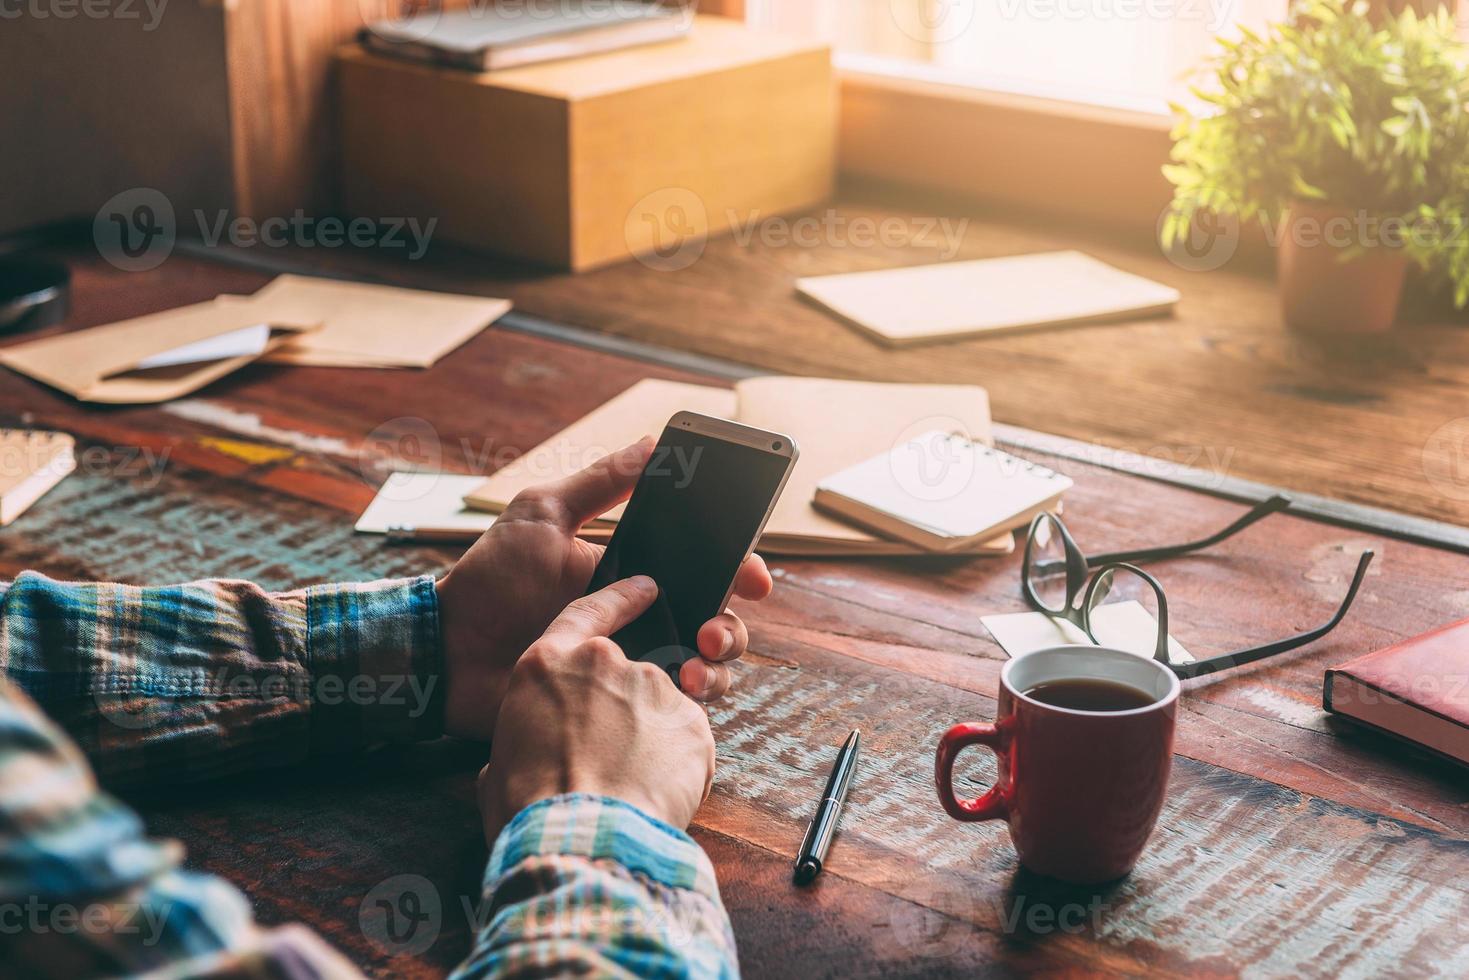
1222,383
1240,871
1290,845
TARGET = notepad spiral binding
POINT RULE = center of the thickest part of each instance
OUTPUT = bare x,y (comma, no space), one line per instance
1003,458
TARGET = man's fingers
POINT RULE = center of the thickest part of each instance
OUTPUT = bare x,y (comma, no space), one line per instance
753,581
572,501
704,681
723,638
608,610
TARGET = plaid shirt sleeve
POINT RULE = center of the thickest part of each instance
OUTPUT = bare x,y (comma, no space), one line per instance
171,675
589,886
208,678
84,893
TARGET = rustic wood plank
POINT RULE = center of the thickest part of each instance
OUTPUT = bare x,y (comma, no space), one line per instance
1289,845
1214,889
1241,874
503,393
1376,421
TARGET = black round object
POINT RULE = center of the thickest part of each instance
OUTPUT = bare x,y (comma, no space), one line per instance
34,293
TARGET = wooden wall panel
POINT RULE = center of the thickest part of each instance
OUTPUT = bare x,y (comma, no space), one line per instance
282,99
93,107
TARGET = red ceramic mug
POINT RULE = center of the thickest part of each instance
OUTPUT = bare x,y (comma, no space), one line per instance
1080,790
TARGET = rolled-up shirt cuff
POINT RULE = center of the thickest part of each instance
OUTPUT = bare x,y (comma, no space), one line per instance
376,666
603,828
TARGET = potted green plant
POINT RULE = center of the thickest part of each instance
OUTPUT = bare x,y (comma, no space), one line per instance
1349,141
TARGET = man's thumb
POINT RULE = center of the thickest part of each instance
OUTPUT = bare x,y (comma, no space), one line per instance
608,610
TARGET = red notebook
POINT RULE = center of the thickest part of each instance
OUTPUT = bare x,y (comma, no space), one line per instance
1417,690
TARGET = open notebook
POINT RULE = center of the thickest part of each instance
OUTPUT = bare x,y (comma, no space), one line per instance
837,424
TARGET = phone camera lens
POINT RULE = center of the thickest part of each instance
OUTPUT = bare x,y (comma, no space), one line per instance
776,445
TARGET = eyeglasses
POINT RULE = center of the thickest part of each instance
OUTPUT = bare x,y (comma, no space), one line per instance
1056,573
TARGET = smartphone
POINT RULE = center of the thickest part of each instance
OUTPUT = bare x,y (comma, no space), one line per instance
694,516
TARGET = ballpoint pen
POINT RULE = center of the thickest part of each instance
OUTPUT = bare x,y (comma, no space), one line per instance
824,825
403,534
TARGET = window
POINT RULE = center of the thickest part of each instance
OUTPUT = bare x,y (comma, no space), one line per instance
1127,54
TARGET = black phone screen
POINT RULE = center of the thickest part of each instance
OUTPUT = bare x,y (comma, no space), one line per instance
690,521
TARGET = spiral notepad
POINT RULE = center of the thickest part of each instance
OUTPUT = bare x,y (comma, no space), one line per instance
941,491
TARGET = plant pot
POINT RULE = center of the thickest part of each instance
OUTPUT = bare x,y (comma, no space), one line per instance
1322,292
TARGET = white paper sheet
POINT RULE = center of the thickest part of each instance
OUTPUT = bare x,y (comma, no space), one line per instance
1120,625
244,342
432,501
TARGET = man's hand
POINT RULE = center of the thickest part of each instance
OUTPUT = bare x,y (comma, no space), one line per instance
579,717
524,571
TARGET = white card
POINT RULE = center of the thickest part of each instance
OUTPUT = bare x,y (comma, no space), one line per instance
244,342
431,501
1120,625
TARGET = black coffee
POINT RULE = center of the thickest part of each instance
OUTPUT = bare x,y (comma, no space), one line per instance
1090,695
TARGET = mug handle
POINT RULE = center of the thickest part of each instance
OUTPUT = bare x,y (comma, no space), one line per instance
990,806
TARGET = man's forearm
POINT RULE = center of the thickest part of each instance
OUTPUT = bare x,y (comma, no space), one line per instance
214,677
573,882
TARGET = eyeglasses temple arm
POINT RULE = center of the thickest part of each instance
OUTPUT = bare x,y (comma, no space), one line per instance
1263,509
1240,657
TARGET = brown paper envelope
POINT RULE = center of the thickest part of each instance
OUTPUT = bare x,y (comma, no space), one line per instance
644,409
364,323
837,424
289,353
93,365
954,300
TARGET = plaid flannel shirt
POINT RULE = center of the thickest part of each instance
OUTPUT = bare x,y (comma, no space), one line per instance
217,677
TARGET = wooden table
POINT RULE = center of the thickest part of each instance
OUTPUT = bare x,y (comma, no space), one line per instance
1290,845
1222,385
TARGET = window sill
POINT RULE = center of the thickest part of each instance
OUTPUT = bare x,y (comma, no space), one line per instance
1092,164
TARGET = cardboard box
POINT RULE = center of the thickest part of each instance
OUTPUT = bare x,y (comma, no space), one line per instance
585,162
